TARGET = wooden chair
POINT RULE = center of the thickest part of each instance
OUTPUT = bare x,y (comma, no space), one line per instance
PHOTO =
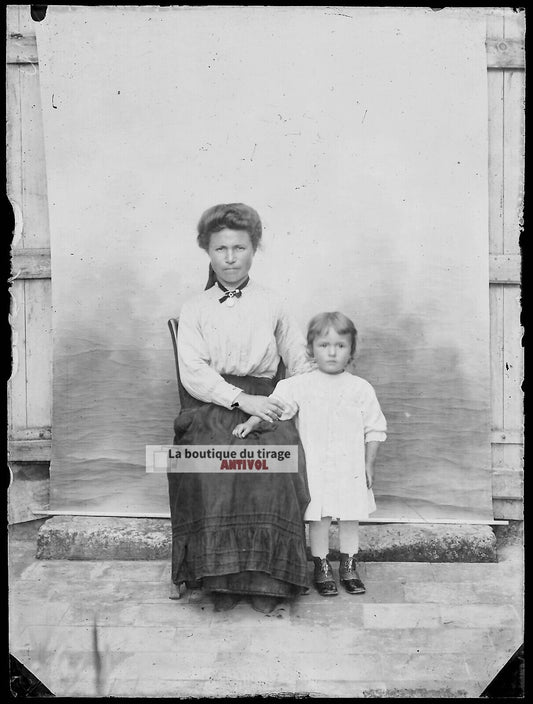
174,592
173,327
182,391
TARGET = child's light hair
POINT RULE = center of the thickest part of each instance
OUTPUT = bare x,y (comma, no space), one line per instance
321,323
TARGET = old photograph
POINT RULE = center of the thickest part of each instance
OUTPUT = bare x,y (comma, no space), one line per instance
265,412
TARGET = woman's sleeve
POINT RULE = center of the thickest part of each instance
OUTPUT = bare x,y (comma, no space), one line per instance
284,393
375,424
291,345
200,380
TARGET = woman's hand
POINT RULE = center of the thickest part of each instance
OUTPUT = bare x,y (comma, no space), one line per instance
265,407
369,477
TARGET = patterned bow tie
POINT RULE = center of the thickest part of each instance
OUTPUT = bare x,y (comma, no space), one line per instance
237,293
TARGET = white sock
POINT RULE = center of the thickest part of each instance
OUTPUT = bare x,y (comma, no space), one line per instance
349,537
319,537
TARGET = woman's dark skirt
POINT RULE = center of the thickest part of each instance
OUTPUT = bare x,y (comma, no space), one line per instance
236,531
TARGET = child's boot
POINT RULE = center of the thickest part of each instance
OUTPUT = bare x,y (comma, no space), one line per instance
323,577
349,578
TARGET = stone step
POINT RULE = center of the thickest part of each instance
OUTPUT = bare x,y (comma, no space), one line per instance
94,538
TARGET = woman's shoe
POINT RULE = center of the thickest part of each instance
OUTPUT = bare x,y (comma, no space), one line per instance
224,601
349,578
323,577
264,604
174,591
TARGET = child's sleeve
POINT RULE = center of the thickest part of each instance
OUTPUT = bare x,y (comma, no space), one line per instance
375,424
284,392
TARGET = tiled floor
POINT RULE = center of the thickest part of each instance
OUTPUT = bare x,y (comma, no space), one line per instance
421,630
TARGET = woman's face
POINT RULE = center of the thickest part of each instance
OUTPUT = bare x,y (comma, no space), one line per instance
231,255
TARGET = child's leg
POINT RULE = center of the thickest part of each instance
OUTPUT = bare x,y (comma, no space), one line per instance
319,540
319,537
349,537
349,547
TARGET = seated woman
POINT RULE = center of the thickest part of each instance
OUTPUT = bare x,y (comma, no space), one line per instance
237,534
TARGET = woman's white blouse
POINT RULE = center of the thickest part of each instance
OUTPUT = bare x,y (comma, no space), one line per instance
245,339
336,415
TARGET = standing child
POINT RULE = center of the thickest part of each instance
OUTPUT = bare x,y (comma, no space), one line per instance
341,425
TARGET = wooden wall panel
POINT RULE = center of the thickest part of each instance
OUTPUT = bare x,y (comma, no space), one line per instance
496,361
506,143
30,391
513,116
508,509
34,197
14,149
38,301
514,121
31,312
495,115
17,383
508,483
29,491
513,412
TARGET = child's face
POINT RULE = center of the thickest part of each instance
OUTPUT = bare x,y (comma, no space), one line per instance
332,351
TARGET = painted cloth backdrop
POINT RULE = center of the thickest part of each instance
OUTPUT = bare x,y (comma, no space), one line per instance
359,135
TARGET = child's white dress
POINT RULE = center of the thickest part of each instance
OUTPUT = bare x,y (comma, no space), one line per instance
337,414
